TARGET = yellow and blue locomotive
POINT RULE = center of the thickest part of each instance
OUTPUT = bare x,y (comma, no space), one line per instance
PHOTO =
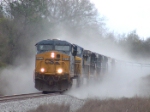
57,63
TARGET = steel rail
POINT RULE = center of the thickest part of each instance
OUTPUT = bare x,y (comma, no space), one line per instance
24,96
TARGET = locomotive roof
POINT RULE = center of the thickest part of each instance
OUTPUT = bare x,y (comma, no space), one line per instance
89,53
53,41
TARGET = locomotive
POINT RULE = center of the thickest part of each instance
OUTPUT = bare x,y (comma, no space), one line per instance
58,62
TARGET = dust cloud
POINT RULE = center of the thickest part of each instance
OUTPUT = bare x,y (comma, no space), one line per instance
17,79
126,80
122,82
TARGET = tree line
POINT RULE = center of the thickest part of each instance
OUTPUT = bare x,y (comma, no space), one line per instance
22,21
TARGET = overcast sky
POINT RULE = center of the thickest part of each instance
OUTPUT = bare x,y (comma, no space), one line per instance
124,16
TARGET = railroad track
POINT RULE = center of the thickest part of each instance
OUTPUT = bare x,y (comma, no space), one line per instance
24,96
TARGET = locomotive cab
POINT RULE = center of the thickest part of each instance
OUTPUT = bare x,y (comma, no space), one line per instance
54,66
58,62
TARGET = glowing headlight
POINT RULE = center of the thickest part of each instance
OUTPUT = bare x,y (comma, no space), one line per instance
52,55
42,70
59,70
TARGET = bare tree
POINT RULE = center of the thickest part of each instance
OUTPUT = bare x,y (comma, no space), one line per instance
30,19
76,15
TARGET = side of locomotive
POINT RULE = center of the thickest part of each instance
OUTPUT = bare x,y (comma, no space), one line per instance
94,64
57,63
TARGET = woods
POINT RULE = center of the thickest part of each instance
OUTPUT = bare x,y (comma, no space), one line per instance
23,21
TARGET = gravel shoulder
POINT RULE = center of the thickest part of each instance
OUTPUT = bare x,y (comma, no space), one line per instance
32,103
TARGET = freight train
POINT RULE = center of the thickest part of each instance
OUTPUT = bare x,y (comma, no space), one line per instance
58,62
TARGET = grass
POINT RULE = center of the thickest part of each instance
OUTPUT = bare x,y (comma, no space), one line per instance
109,105
120,105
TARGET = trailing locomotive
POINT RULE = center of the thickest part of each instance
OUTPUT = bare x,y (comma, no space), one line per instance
58,62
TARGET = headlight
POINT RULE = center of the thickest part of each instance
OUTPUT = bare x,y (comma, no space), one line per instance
42,70
52,55
59,70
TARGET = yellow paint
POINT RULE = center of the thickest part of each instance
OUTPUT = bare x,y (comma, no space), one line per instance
51,65
78,65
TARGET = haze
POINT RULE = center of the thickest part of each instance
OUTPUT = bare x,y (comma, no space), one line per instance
122,82
124,16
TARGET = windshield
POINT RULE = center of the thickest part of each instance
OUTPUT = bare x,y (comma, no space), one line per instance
62,48
41,48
